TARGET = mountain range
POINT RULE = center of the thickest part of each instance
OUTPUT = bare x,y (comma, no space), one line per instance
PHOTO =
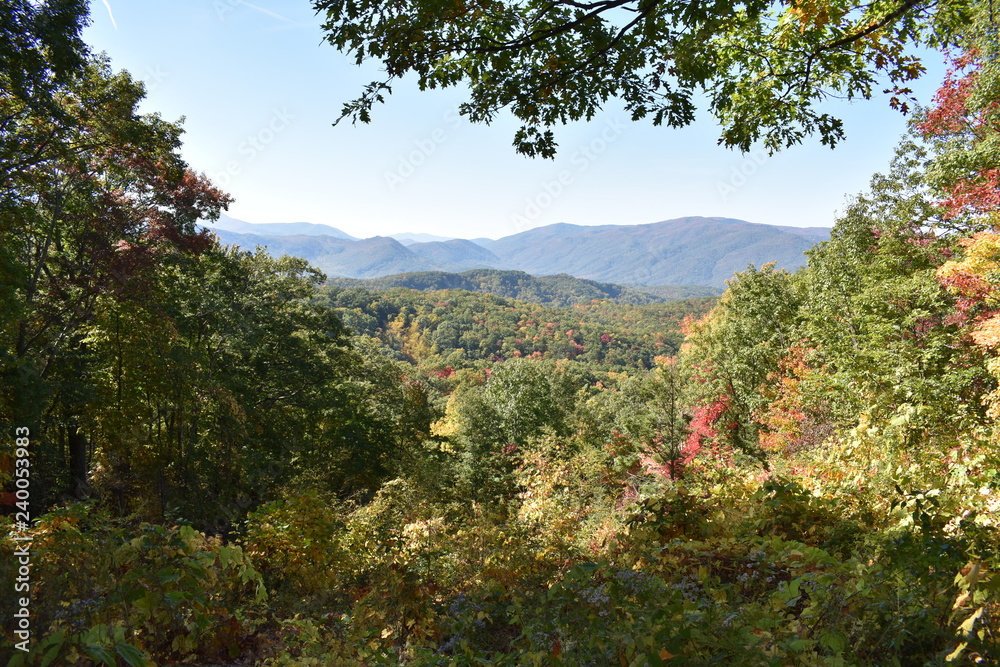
684,251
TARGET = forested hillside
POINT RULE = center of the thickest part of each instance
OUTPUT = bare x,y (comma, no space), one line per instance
457,328
551,290
210,457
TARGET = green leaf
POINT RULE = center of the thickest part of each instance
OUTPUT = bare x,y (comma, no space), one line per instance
52,653
168,575
101,654
799,645
833,641
226,556
131,655
174,598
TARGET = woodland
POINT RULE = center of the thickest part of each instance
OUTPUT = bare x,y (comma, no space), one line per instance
232,462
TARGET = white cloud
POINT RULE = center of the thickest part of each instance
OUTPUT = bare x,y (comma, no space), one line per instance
113,22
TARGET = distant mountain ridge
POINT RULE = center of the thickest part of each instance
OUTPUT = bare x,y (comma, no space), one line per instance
685,251
409,238
456,253
230,224
364,258
691,251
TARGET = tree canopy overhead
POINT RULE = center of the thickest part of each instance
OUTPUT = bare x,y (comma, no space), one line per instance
764,68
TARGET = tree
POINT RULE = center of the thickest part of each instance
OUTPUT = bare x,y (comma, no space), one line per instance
520,400
962,128
92,212
886,333
730,353
764,67
40,51
974,280
228,382
644,416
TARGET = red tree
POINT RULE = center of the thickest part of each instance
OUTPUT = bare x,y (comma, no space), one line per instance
963,125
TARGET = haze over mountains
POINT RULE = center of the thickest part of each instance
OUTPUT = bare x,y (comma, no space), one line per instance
685,251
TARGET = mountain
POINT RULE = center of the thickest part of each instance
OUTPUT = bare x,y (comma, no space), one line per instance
676,292
364,258
456,254
818,233
684,252
555,291
229,224
689,251
406,238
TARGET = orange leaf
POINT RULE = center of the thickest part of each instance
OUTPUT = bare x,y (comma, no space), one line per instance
987,334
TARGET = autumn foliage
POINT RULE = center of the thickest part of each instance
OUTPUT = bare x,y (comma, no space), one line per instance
963,122
232,462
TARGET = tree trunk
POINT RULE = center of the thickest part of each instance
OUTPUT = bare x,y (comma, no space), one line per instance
78,464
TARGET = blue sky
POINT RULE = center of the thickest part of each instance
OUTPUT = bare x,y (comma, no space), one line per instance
259,92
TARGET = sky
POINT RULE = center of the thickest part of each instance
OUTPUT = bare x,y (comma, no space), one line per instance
259,91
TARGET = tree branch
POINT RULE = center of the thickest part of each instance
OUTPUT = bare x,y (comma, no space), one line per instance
874,27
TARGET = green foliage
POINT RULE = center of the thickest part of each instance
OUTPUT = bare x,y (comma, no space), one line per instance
154,593
40,51
643,418
458,329
733,350
519,401
598,615
765,68
98,202
201,392
885,330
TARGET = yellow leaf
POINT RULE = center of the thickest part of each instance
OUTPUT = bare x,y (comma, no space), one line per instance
957,653
966,627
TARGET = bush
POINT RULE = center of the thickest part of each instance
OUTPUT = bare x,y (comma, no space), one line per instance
156,593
